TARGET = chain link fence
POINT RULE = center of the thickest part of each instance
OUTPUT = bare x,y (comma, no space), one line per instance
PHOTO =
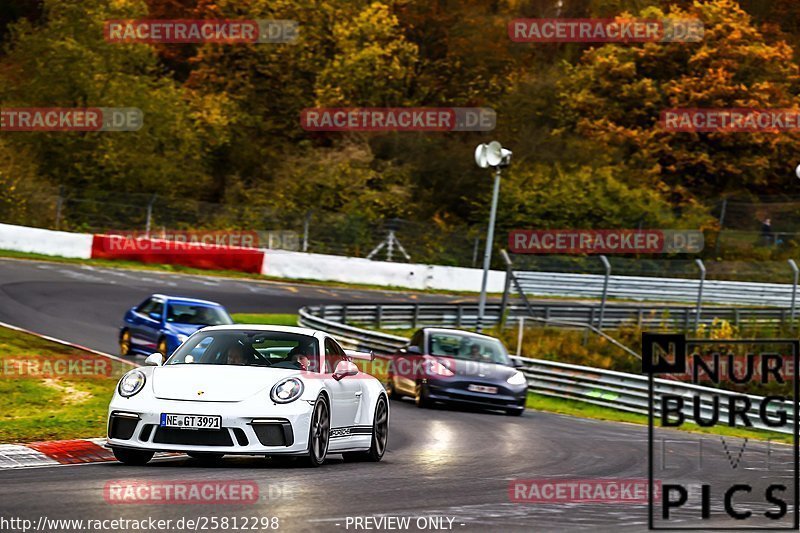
754,242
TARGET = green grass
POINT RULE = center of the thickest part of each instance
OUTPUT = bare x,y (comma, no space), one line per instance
43,398
275,319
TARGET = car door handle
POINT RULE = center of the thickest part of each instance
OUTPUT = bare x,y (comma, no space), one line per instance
358,394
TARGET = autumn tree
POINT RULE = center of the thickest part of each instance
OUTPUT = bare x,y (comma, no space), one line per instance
615,95
66,62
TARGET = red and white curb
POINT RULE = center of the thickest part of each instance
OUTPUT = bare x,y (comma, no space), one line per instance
58,452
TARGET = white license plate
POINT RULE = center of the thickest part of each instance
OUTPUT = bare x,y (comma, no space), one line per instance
191,421
482,388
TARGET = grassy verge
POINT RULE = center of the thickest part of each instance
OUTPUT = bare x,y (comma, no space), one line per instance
275,319
587,410
49,391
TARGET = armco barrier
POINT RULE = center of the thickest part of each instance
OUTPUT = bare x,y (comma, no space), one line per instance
653,289
605,388
411,316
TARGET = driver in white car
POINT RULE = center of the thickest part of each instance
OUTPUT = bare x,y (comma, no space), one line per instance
236,355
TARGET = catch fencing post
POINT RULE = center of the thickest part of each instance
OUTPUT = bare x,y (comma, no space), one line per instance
607,266
519,335
796,272
504,301
721,225
149,216
306,222
59,205
702,267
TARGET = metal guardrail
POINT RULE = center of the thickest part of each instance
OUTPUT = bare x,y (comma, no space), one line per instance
350,336
607,388
653,289
412,316
629,392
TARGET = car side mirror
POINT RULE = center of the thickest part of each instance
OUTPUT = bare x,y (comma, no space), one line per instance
516,363
155,316
344,369
154,359
414,350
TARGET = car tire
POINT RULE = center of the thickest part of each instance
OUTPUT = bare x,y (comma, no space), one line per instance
319,432
162,346
391,391
380,436
515,412
421,397
204,457
132,457
125,343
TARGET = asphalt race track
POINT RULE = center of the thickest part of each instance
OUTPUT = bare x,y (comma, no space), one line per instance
85,304
440,462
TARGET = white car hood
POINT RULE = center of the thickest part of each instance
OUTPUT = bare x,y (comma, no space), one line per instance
214,383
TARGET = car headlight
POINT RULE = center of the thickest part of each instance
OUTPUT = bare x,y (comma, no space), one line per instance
182,338
131,383
286,391
517,379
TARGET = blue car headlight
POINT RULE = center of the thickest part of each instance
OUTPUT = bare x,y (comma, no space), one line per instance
286,391
131,383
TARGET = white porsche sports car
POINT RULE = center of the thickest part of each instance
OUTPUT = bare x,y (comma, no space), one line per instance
250,390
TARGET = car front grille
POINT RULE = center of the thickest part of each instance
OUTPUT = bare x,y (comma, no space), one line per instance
122,427
274,432
191,437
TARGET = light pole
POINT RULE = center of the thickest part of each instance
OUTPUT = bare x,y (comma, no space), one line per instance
495,156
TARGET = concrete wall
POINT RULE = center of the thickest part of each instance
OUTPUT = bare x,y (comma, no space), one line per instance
44,241
298,265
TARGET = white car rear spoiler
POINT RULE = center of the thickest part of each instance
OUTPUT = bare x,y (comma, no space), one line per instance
366,356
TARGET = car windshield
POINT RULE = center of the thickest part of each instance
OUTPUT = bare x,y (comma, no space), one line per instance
248,348
468,348
200,315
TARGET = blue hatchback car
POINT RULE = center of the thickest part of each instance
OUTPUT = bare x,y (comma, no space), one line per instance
161,323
